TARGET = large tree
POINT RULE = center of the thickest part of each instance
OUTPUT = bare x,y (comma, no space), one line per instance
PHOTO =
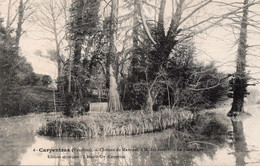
163,41
22,13
114,100
50,17
14,69
240,77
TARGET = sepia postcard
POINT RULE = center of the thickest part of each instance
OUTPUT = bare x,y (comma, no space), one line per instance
130,82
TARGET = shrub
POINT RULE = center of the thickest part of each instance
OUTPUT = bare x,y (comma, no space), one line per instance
46,80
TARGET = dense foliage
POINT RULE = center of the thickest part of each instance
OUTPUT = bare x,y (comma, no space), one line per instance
82,30
15,75
183,82
148,75
154,76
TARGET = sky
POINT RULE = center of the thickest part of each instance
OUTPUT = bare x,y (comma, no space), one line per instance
34,38
216,44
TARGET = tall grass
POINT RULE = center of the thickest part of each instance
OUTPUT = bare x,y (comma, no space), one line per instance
118,123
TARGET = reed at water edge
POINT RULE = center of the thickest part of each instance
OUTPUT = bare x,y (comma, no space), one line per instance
117,123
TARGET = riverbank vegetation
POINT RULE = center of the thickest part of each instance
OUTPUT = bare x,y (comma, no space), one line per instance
112,124
206,123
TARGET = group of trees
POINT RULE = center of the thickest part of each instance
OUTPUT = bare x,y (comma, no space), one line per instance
16,73
12,66
113,51
34,79
134,63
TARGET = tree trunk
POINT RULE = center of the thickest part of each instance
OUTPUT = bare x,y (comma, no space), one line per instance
70,67
67,21
20,22
113,101
149,103
8,15
240,82
160,24
55,33
59,61
60,83
136,58
238,97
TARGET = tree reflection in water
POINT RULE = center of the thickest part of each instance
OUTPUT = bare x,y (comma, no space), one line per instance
239,143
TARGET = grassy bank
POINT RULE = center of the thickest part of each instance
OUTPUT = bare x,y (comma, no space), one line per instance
112,124
26,99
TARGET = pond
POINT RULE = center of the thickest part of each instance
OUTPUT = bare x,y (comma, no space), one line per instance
21,145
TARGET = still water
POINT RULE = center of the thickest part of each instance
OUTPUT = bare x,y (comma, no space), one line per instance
21,145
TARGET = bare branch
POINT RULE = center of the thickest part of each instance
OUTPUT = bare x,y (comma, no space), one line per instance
144,23
194,11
